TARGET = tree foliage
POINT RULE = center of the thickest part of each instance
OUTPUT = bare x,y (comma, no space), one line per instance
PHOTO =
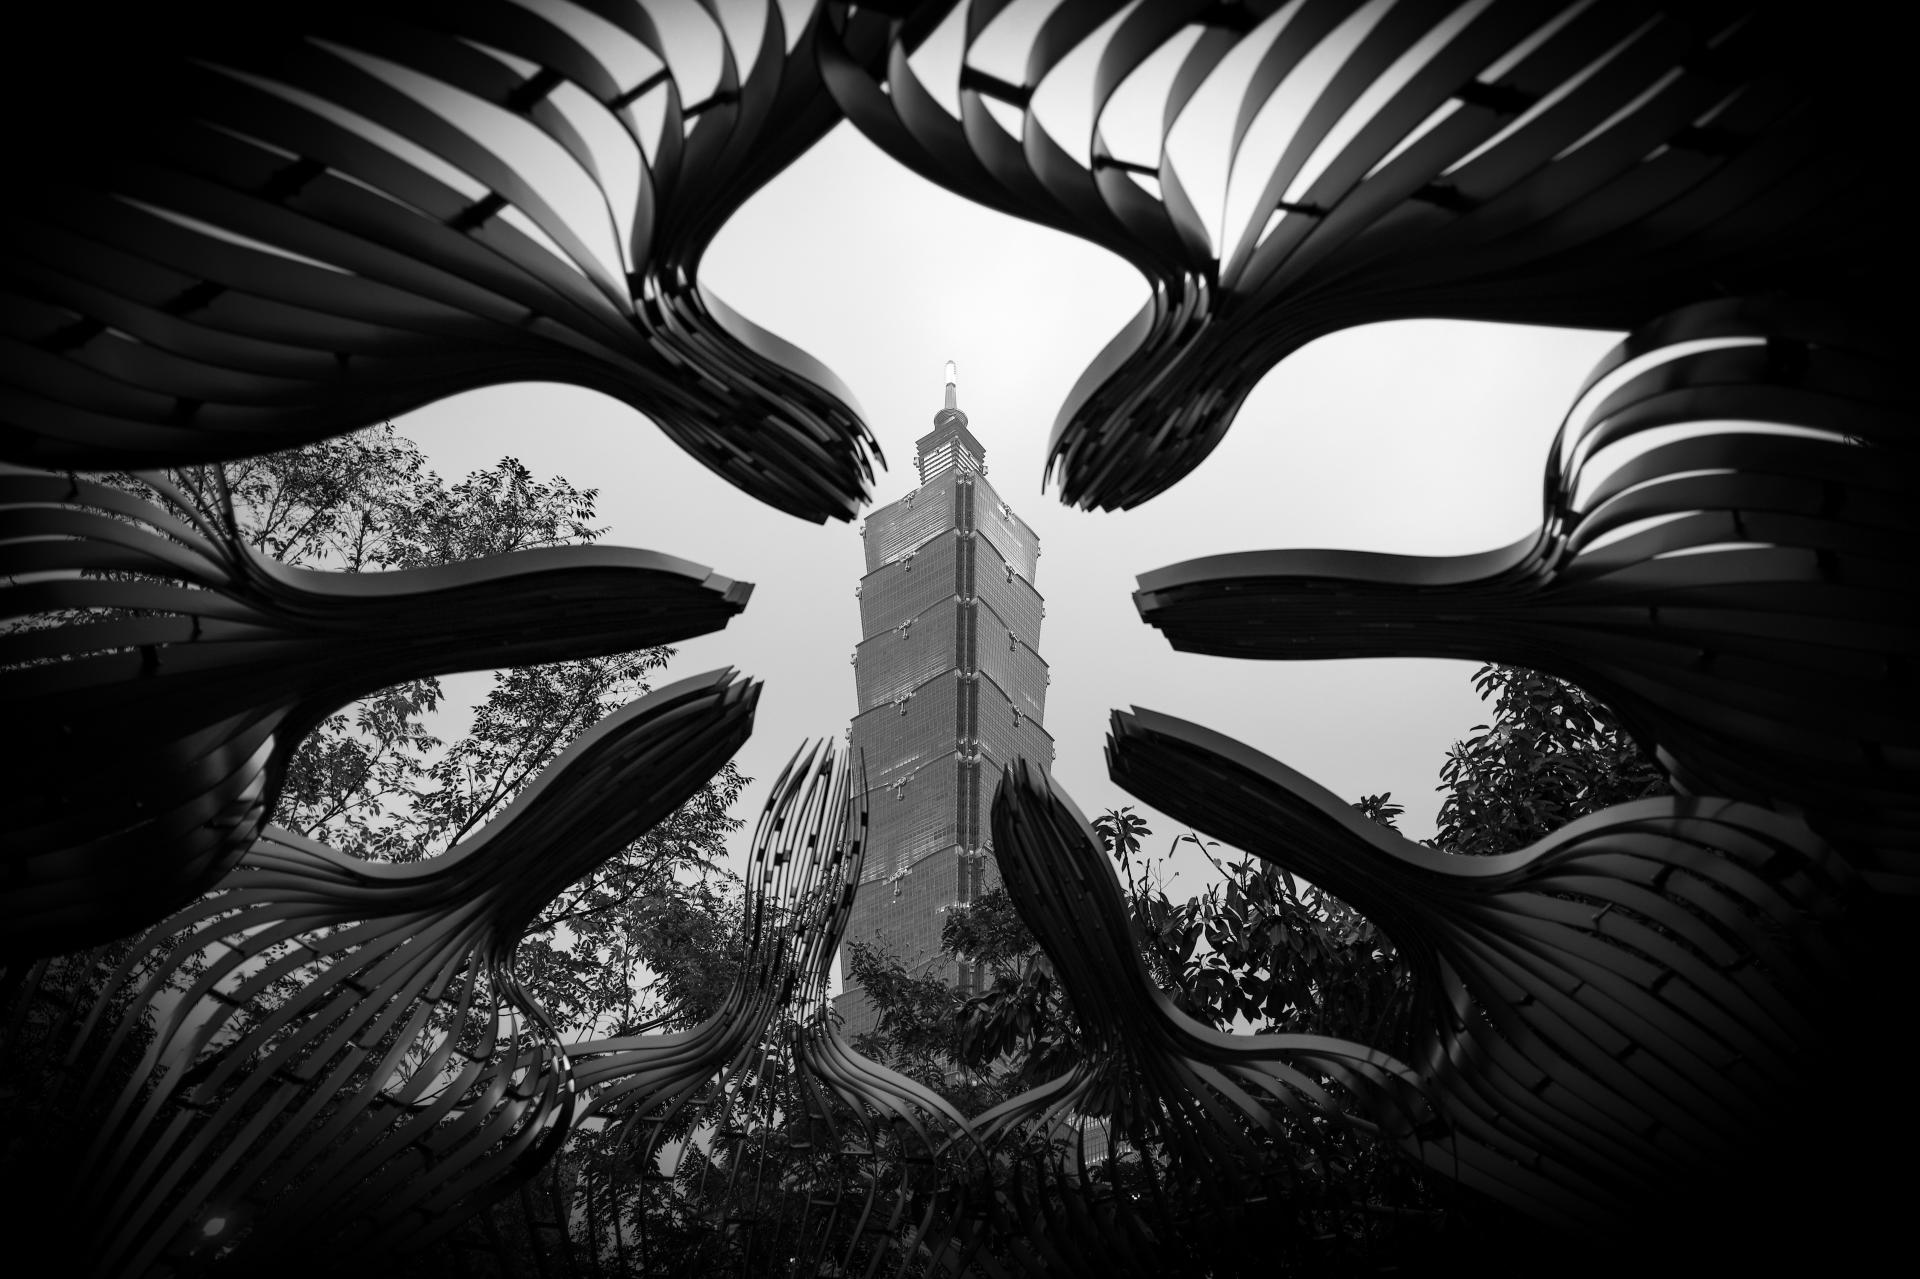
651,938
396,777
913,1030
1552,753
1258,951
1023,1017
1255,951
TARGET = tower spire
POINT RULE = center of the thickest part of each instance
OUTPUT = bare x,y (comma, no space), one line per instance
949,444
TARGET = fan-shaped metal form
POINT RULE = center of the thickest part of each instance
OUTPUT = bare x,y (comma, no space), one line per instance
337,1057
1197,1094
264,230
1727,558
1621,1009
1579,163
167,672
267,227
803,1155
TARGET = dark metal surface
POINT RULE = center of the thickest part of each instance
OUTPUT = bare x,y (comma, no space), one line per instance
1728,557
1200,1096
343,1060
1585,165
168,672
877,1162
297,220
257,228
1617,1012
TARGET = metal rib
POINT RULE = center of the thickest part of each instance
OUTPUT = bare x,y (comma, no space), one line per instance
1583,165
343,1059
1620,1009
169,672
1733,593
792,1111
293,223
1198,1094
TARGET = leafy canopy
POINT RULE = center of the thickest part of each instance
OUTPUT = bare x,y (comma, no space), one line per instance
1553,753
646,935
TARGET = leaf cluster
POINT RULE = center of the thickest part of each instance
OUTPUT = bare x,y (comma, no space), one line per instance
1552,753
1023,1022
648,934
914,1030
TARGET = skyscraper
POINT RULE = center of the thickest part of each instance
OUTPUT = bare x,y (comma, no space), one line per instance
951,689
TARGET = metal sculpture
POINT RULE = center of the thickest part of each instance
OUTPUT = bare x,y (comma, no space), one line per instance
282,227
273,227
1194,1095
874,1158
343,1060
1617,1011
1574,164
1727,557
169,672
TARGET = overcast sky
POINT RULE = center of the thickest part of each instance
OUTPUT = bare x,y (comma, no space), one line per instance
1416,437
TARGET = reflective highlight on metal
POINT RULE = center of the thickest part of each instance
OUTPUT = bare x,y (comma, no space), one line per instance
1580,164
344,1061
294,222
166,673
1618,1013
280,226
1729,537
1167,1082
879,1162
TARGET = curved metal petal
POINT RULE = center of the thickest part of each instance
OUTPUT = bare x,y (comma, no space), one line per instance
280,225
1727,542
1165,1080
812,1154
343,1059
163,729
1618,1009
1584,165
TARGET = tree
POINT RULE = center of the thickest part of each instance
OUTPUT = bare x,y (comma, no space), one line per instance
913,1030
376,781
1257,950
649,937
1552,753
1277,957
1023,1017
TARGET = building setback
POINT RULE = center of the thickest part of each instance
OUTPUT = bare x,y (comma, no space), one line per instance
951,689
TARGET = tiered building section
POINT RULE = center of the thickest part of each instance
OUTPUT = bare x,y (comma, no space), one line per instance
951,689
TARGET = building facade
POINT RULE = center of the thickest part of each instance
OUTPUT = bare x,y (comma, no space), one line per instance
951,689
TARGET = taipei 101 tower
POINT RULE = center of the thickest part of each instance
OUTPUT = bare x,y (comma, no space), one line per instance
951,690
